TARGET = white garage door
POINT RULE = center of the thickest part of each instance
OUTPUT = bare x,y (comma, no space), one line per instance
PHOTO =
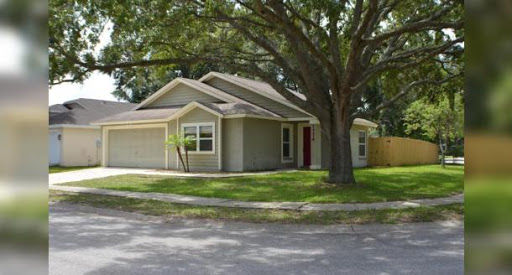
142,148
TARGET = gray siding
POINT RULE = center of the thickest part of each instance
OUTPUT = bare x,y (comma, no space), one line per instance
202,162
173,156
262,145
255,98
326,149
233,144
182,95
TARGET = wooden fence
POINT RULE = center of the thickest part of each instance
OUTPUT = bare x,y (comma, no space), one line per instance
396,151
487,154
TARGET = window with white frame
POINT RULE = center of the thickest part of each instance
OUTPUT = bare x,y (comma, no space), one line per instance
362,144
286,142
203,136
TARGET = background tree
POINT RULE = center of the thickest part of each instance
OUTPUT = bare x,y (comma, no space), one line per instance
442,121
329,49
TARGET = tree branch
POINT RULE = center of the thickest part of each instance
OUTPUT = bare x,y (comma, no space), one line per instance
424,53
405,90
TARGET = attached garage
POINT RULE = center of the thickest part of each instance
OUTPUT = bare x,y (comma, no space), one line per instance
140,147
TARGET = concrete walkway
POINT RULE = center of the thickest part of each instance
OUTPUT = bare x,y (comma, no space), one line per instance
102,172
297,206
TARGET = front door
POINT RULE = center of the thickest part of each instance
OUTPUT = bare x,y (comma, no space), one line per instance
306,149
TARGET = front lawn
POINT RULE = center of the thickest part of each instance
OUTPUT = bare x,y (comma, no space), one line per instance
60,169
375,185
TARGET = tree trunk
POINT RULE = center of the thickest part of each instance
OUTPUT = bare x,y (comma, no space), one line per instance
441,147
186,156
340,168
181,158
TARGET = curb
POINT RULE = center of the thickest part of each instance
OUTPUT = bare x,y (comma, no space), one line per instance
296,206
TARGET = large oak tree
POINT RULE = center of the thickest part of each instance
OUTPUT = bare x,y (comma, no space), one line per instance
329,49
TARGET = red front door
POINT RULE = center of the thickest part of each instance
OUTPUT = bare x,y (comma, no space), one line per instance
306,149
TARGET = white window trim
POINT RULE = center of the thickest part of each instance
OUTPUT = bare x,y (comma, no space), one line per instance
197,125
365,144
289,126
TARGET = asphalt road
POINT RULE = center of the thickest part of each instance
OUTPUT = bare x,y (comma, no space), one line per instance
85,240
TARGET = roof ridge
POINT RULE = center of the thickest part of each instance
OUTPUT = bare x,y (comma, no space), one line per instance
230,95
78,100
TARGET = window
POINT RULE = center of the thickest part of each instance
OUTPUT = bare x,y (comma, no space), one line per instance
202,135
287,143
362,144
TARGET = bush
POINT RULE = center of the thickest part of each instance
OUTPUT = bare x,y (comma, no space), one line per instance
456,151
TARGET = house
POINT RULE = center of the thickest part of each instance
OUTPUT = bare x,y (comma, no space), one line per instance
239,124
72,140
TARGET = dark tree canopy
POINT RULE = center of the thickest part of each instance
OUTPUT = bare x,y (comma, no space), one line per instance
329,50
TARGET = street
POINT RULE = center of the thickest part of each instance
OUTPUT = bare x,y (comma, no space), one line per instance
86,240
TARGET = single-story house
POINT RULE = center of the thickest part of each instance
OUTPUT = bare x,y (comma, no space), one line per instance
239,125
72,140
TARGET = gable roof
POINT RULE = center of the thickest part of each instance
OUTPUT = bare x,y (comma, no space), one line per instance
364,122
167,114
58,108
259,87
83,111
202,87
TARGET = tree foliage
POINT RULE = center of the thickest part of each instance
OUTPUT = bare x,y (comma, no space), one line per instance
180,142
442,120
329,50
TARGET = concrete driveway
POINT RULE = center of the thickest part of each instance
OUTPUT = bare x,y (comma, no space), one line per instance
102,172
86,240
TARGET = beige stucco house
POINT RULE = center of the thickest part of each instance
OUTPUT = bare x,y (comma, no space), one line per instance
239,125
72,140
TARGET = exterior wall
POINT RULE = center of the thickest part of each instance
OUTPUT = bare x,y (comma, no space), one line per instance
201,161
54,146
182,95
358,161
233,145
396,151
316,145
255,98
354,135
262,145
173,155
80,147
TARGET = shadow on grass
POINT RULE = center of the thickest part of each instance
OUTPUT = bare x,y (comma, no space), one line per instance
376,185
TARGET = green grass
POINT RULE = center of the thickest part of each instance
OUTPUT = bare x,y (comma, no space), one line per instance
374,185
160,208
59,169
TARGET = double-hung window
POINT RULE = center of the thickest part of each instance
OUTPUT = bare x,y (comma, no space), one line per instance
362,144
202,135
286,142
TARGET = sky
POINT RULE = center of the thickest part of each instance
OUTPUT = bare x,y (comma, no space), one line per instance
98,86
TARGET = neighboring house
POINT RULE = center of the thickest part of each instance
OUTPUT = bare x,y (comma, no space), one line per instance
239,124
72,140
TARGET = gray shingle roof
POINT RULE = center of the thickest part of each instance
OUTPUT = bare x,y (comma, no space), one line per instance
238,108
164,113
142,114
83,111
260,86
58,108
